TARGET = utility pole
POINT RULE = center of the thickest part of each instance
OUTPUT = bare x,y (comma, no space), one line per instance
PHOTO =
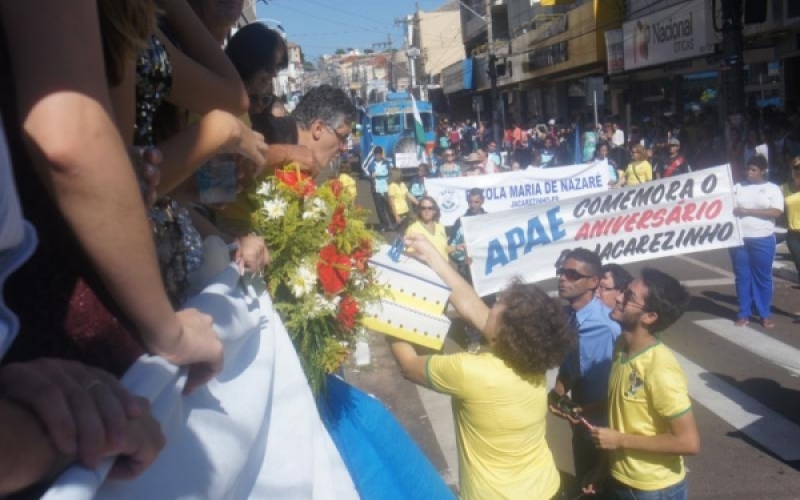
493,74
388,45
732,51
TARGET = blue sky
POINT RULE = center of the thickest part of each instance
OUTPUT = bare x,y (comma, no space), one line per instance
322,26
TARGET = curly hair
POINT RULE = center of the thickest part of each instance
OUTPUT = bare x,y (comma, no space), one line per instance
534,333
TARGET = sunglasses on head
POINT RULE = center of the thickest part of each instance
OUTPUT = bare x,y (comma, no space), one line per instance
570,274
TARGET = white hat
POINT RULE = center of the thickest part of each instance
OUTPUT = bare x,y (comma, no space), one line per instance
551,122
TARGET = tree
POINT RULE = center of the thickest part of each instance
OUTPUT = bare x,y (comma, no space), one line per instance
340,52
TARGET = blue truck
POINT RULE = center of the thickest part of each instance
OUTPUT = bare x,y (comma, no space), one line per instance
390,125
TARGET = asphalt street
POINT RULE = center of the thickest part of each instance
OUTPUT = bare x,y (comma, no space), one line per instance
744,382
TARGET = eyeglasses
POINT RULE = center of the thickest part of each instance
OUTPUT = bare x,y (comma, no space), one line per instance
570,274
427,207
628,296
342,138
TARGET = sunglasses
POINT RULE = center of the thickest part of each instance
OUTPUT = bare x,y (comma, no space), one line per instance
570,274
427,207
263,100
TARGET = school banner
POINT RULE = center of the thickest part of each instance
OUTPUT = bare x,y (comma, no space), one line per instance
517,189
678,215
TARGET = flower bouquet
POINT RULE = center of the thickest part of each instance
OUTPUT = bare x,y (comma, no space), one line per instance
319,279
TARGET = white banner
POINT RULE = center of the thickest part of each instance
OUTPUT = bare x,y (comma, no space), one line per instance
682,214
516,189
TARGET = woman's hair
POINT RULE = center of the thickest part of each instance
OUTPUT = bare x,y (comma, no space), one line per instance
424,166
395,175
534,334
125,26
253,48
437,215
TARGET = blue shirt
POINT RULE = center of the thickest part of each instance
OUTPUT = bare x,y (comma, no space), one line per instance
588,367
381,170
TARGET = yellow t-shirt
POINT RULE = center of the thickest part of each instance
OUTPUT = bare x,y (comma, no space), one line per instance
792,200
639,173
349,184
438,239
645,392
500,424
398,193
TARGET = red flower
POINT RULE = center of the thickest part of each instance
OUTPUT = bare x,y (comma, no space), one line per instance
336,187
361,255
299,182
338,222
348,309
333,270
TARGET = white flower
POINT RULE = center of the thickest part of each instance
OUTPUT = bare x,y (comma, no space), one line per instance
265,189
275,209
303,281
324,306
315,209
358,281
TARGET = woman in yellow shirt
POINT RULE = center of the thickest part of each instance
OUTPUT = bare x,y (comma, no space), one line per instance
429,226
791,196
639,169
499,397
398,199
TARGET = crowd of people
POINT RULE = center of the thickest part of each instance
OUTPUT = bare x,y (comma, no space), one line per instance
765,170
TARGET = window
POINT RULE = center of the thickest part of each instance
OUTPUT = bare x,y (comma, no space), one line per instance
386,125
427,122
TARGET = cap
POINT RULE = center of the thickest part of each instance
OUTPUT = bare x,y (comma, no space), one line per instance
551,122
673,142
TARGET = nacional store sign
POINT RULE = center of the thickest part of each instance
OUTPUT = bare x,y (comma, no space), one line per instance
671,34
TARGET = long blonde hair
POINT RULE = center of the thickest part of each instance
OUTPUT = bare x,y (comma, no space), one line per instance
126,26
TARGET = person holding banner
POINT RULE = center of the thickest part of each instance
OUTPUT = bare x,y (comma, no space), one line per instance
639,169
601,154
500,396
651,423
759,203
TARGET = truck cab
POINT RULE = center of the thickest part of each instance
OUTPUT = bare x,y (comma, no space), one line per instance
390,125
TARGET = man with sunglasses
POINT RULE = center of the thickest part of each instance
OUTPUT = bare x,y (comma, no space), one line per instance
651,424
584,372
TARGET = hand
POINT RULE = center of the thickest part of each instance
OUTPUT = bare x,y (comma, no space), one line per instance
421,247
145,163
250,144
398,219
85,411
566,416
202,348
143,442
606,439
593,482
740,212
252,254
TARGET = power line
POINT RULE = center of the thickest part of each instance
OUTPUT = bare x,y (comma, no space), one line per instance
326,19
353,14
